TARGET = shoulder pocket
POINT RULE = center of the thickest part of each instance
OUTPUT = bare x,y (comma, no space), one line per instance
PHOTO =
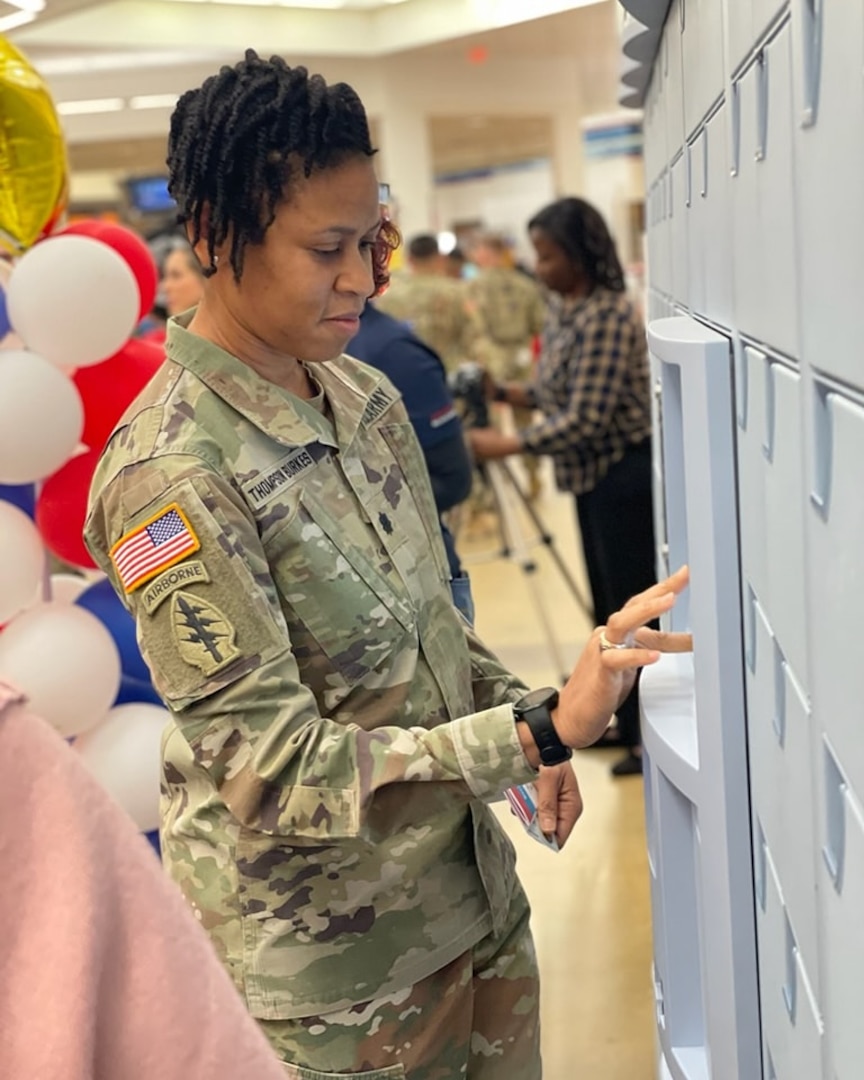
203,620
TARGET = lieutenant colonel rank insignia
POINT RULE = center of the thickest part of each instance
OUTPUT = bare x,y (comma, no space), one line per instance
154,546
204,636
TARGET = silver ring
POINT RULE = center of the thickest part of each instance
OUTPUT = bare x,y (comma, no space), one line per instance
606,644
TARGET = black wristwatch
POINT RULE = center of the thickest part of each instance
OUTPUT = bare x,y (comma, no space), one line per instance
535,709
500,393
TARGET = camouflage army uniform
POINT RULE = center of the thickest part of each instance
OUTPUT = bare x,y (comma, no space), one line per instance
437,311
511,310
335,724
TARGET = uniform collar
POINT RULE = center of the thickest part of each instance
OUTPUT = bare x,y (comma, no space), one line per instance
282,415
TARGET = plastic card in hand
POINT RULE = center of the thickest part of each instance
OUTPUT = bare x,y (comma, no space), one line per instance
523,802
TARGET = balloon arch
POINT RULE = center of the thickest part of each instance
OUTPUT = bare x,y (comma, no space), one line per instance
70,300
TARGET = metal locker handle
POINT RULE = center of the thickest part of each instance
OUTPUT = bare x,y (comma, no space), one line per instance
761,106
770,410
820,491
811,59
703,191
834,848
778,720
790,986
735,128
760,868
741,364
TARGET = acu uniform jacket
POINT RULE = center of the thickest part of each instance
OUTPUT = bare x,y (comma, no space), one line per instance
336,725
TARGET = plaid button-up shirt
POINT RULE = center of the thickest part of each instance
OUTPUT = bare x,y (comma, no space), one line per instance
592,384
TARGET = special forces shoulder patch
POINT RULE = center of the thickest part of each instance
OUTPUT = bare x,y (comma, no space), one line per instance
163,540
204,636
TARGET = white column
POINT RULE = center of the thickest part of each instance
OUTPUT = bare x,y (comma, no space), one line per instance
568,158
406,162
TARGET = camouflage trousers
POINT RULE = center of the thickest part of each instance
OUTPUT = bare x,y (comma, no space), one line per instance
475,1019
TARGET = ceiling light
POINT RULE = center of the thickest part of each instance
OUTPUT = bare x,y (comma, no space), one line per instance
153,101
27,5
91,105
18,18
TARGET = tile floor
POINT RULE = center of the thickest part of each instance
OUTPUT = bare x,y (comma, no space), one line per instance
592,920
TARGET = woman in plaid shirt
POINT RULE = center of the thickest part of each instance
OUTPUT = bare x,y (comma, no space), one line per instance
592,386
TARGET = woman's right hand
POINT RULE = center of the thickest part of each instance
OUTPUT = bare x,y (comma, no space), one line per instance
605,672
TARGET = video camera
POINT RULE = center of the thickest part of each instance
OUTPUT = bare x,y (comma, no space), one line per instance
466,385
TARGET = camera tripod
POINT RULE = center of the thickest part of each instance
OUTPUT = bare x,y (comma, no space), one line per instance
508,498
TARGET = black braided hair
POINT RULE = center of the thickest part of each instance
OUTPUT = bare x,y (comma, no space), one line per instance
240,139
582,234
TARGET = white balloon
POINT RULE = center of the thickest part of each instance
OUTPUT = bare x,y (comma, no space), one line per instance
65,661
124,754
22,561
73,300
41,418
66,588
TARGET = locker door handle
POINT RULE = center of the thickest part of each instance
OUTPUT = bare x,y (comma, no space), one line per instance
688,177
761,106
790,986
742,361
760,869
735,129
811,59
820,491
834,848
778,721
703,191
770,409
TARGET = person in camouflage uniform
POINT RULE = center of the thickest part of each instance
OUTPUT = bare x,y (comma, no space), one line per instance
337,728
435,306
511,310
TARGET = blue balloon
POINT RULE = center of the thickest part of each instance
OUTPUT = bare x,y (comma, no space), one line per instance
21,495
5,325
132,690
152,839
101,600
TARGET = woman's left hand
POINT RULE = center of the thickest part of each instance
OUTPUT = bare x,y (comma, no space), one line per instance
559,802
488,443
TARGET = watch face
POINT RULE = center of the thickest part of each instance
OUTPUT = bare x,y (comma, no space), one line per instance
546,695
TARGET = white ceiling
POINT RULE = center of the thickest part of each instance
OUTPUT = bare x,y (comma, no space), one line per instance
115,67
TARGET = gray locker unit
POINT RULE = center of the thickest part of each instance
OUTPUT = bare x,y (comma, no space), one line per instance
755,776
693,717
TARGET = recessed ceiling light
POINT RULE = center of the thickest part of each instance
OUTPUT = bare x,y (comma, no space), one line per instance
17,18
90,105
153,101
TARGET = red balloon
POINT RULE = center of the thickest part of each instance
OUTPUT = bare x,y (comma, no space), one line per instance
130,247
62,508
108,389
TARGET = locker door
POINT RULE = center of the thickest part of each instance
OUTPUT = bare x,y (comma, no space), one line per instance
829,158
835,574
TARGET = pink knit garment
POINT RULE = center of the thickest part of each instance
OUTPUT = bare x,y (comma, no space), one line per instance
104,973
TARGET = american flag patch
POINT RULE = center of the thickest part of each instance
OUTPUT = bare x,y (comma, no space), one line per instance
154,546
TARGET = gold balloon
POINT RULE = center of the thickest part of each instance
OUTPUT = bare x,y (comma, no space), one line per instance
33,169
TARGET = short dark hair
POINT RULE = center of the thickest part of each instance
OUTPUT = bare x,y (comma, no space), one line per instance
579,230
424,246
240,139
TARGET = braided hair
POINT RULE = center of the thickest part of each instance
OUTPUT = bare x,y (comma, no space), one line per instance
582,234
239,141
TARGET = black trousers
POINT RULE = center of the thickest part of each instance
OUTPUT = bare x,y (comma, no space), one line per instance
617,525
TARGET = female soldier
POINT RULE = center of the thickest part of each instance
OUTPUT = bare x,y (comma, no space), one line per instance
266,514
592,384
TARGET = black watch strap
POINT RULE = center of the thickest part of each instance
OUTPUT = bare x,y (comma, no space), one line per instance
535,709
